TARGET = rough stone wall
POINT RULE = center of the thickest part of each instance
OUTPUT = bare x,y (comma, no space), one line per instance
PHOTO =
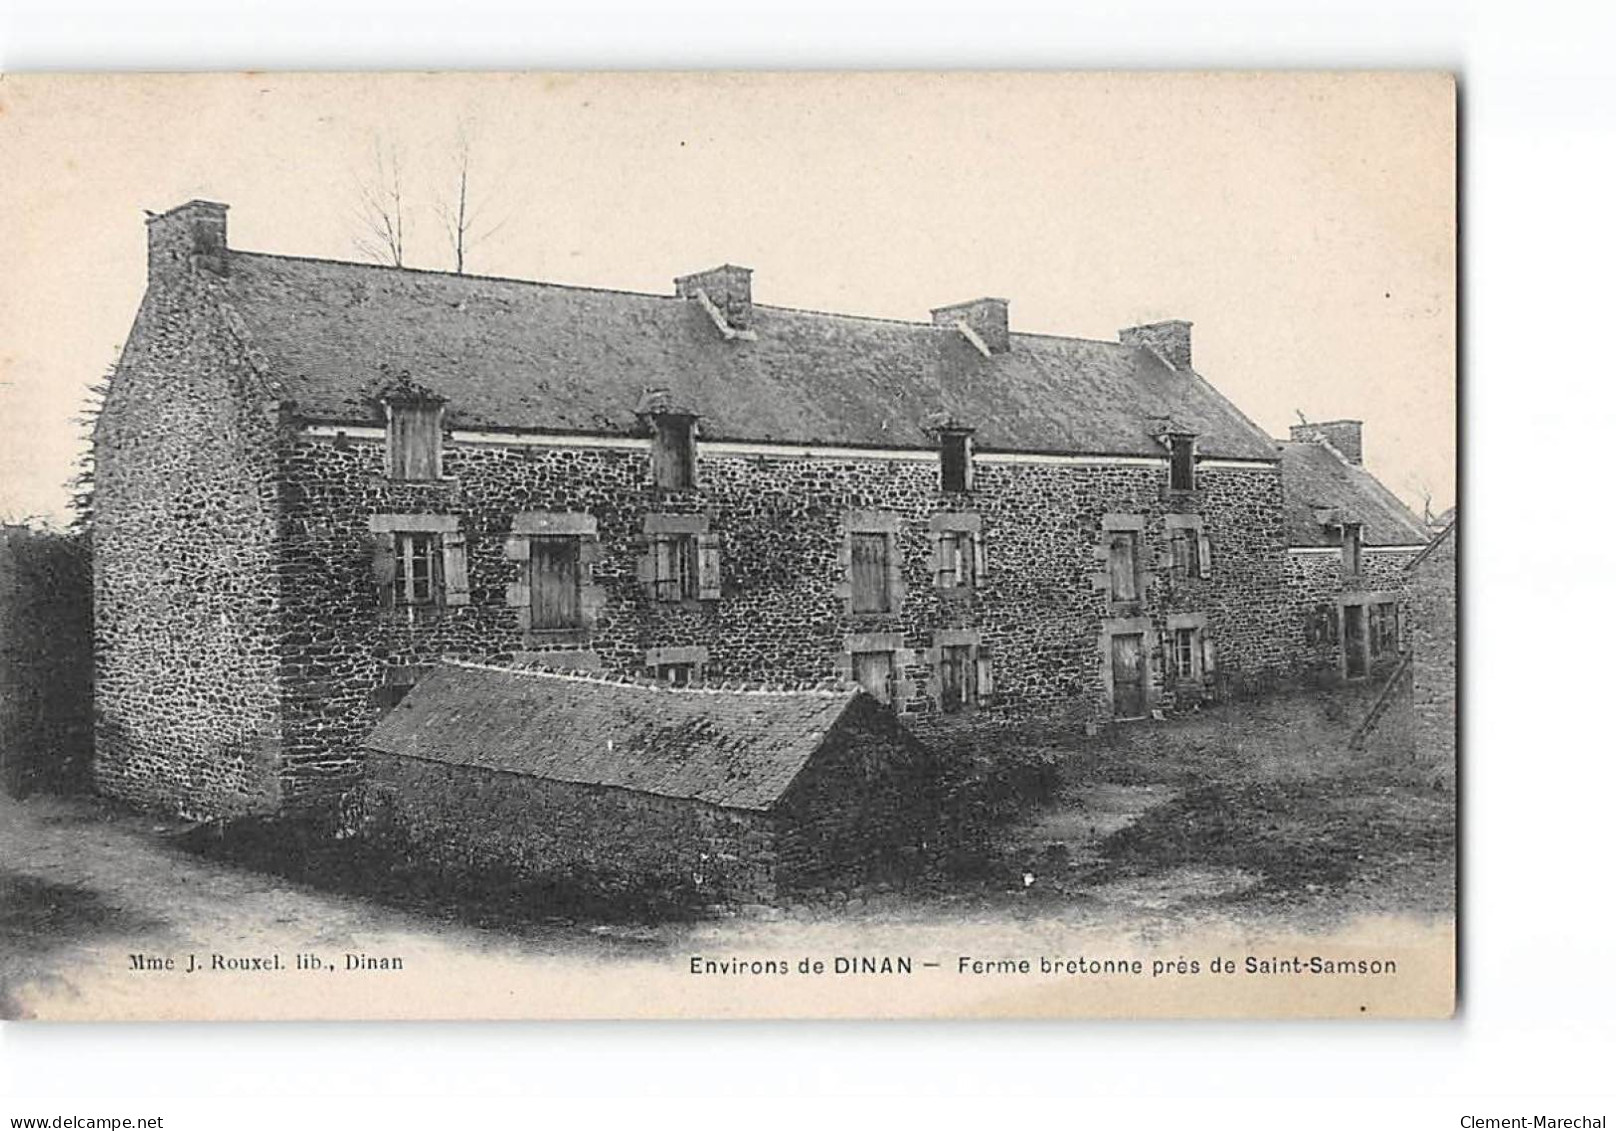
864,810
186,599
1315,579
1433,619
473,822
783,615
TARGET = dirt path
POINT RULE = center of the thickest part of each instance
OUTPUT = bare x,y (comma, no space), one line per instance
80,879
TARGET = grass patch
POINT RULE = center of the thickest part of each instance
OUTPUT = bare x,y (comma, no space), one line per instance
1301,835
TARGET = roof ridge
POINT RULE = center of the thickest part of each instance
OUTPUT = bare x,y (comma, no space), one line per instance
822,689
549,284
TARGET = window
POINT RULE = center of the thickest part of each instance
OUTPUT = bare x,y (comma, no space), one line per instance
673,451
873,671
1383,629
554,580
397,680
684,566
956,674
870,571
955,450
1186,553
419,560
415,439
1184,645
677,567
1181,462
1323,625
686,674
1351,549
1124,565
956,559
420,569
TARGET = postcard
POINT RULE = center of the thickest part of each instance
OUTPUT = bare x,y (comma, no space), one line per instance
730,545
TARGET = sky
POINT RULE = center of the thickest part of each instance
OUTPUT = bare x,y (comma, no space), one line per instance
1304,222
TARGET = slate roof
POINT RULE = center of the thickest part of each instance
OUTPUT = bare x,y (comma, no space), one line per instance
510,354
735,749
1315,477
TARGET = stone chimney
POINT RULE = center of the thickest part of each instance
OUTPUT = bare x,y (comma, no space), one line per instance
988,319
1170,339
188,238
728,288
1345,436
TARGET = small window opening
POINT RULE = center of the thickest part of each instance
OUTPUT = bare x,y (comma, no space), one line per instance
415,439
871,578
418,578
956,460
674,452
1181,461
1351,549
678,571
873,671
1124,560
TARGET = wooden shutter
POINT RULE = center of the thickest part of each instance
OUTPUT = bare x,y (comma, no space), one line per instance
948,563
869,554
1181,552
1205,556
662,568
710,585
553,581
1183,463
1124,578
416,439
984,676
456,584
951,674
383,568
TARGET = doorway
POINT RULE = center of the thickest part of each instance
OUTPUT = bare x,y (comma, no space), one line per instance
1353,641
1128,675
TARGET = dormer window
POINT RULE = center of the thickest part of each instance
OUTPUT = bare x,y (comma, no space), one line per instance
414,430
1181,461
1351,549
955,453
673,451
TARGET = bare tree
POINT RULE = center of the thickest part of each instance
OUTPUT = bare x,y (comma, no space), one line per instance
380,192
462,211
1421,487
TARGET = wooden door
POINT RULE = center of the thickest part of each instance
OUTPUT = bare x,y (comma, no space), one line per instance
873,672
1353,640
957,677
553,582
1128,675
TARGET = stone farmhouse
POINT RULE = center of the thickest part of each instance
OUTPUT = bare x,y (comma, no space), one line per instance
1414,721
316,480
1350,540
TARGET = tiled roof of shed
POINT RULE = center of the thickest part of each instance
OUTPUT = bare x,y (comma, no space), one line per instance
1316,478
522,355
736,749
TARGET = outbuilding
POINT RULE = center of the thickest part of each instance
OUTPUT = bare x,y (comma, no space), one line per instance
614,784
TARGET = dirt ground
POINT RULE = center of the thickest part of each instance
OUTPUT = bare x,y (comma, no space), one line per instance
1253,814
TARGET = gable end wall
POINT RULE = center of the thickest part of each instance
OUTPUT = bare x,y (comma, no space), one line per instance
188,715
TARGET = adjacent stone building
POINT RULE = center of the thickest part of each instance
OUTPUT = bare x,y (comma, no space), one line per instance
315,480
623,785
1350,540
